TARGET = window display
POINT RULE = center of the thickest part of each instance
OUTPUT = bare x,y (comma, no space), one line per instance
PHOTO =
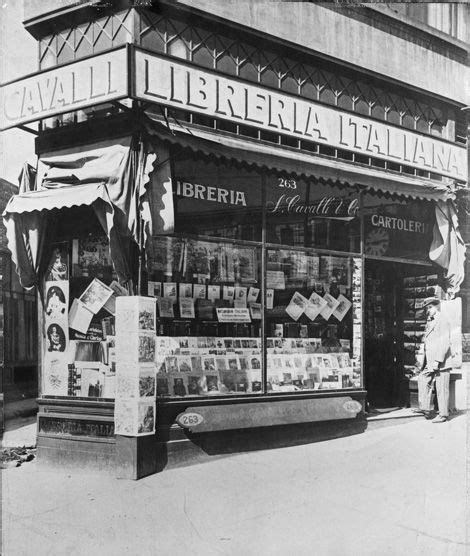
237,310
208,318
310,322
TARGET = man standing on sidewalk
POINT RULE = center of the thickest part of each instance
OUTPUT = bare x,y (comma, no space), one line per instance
435,366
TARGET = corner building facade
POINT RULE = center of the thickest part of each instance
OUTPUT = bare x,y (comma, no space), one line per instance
276,192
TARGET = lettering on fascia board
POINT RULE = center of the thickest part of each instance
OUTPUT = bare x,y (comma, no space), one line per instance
63,89
178,84
210,193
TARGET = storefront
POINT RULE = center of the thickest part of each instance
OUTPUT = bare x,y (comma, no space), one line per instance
275,287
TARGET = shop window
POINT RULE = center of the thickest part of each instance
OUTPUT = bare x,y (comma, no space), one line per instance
309,322
217,200
209,317
302,213
79,326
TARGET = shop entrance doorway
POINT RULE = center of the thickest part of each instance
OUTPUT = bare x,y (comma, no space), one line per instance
395,294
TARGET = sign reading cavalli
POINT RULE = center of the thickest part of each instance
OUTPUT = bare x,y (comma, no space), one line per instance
71,87
183,86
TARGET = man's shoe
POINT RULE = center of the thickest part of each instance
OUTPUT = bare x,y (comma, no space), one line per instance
439,419
417,410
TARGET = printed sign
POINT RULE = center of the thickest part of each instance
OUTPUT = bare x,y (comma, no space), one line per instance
187,420
179,84
71,87
233,314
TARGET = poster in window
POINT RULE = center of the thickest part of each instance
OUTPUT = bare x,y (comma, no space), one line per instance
57,301
245,265
58,267
196,260
57,338
93,254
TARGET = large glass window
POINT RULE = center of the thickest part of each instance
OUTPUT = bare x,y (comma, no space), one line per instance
309,321
212,276
216,199
305,213
209,317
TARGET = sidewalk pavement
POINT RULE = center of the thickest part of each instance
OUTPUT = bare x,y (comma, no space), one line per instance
397,489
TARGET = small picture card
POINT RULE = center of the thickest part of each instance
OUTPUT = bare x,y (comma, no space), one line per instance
79,316
316,304
331,303
343,307
240,296
269,298
185,290
57,301
199,291
169,290
96,295
208,364
154,289
252,295
187,308
297,306
213,292
118,290
255,311
229,293
58,267
165,307
184,364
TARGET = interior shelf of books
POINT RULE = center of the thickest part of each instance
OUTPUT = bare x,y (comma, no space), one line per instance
206,335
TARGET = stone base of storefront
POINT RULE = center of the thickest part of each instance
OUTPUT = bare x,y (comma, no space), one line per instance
81,435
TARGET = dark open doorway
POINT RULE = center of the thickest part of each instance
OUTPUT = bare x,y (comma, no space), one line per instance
394,321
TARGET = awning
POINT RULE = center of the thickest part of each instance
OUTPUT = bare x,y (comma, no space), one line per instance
287,160
122,179
448,247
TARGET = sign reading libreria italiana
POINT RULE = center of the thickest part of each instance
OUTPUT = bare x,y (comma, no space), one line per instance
184,86
179,84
